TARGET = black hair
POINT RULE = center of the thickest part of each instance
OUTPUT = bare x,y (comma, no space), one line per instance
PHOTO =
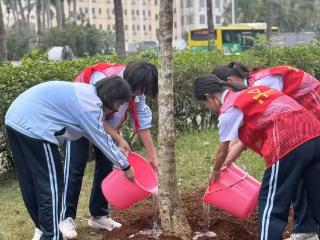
112,89
234,68
142,76
210,84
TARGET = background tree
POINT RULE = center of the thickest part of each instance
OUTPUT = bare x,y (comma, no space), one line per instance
118,13
211,36
269,19
173,221
3,50
38,14
58,6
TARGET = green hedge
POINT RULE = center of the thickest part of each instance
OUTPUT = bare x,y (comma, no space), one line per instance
187,66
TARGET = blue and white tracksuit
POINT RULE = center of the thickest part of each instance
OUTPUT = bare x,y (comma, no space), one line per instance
37,122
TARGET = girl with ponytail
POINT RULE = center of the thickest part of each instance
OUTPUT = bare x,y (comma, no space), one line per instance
259,117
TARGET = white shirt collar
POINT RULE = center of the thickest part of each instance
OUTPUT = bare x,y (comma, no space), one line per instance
223,96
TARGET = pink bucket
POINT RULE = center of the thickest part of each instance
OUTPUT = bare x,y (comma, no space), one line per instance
235,192
122,193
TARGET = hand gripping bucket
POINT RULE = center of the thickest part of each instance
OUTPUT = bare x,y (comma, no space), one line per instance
235,192
122,193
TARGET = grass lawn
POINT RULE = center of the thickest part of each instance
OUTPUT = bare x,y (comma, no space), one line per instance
194,159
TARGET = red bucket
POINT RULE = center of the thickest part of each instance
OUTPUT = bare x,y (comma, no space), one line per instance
235,192
122,193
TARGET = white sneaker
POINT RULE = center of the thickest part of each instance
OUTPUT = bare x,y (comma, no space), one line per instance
37,234
303,236
68,228
103,222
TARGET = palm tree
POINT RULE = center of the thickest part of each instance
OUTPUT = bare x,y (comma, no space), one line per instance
173,221
118,13
59,13
211,36
3,48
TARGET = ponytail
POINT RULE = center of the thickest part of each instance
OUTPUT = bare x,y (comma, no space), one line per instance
210,84
234,68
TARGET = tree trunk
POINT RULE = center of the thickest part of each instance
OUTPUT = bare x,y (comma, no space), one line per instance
74,11
118,13
3,42
59,14
211,35
38,13
23,17
43,13
29,11
173,221
63,13
48,13
269,19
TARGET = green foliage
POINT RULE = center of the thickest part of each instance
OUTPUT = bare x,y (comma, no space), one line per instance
84,40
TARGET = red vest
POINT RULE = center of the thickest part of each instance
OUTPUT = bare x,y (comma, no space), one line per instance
273,123
299,85
109,69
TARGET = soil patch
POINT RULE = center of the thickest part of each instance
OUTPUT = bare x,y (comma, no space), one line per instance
227,227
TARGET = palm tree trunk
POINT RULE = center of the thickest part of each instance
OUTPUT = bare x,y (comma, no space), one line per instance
118,13
38,13
173,221
211,35
3,42
48,13
75,11
23,17
63,13
29,11
269,19
43,13
59,13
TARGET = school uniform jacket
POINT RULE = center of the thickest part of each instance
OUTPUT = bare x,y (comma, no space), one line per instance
56,111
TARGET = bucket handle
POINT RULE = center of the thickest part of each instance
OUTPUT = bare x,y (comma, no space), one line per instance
231,185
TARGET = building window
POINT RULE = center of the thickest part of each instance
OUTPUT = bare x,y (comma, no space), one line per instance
144,12
81,10
93,10
138,27
182,20
132,12
174,10
99,10
125,12
144,27
202,3
133,27
113,11
175,24
108,11
126,27
157,16
155,2
189,20
150,27
108,27
202,19
113,27
86,10
137,12
149,13
218,19
100,26
189,4
217,3
182,3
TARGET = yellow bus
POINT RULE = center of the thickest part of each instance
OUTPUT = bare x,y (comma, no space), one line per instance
234,38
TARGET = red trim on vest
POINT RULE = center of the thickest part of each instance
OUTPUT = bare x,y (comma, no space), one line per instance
291,76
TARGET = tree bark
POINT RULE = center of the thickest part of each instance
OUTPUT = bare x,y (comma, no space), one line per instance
29,11
38,13
118,13
269,19
74,11
59,14
63,13
211,35
3,42
173,221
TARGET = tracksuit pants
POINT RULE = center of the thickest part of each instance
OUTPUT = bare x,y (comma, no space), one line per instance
296,174
40,174
76,157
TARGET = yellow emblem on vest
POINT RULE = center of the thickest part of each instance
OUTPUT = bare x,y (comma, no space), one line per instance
259,94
